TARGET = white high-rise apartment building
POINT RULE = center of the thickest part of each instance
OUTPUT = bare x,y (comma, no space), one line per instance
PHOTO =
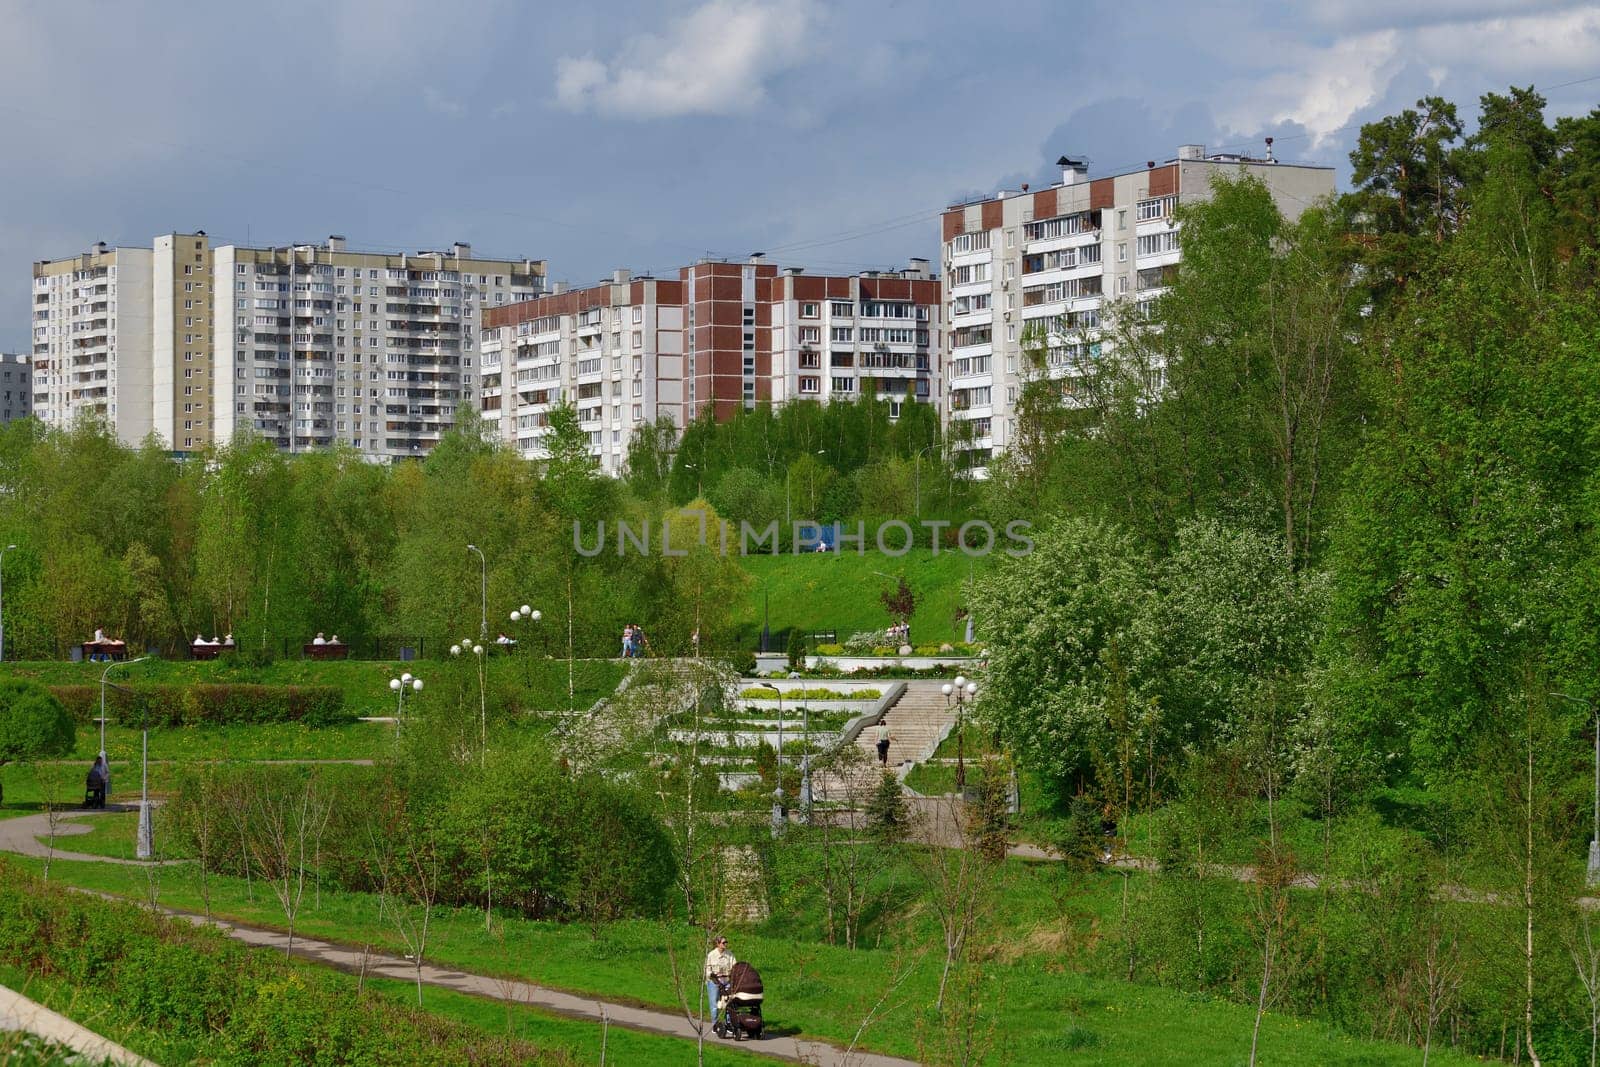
92,339
1044,266
306,346
318,344
614,351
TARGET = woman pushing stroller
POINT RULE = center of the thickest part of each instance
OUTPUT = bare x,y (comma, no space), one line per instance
734,990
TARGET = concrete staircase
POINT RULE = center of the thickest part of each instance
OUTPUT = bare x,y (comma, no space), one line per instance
918,721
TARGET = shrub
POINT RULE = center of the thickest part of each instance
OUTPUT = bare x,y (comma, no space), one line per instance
211,705
797,650
196,985
33,723
864,644
811,694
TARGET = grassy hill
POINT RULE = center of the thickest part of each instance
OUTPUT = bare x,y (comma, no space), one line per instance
839,591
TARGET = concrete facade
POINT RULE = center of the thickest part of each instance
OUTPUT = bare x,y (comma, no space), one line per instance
16,386
306,345
1045,268
92,340
719,337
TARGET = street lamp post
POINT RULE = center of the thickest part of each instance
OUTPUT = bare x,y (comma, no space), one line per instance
777,774
483,700
400,685
805,764
483,569
1593,876
103,760
3,552
962,692
527,614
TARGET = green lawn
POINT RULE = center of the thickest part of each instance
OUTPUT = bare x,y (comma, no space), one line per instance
268,741
111,833
839,591
25,784
539,684
1041,1010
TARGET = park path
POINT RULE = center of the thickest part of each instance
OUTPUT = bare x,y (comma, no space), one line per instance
19,835
22,1015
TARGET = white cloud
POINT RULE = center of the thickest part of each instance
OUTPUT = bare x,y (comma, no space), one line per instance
714,61
1324,86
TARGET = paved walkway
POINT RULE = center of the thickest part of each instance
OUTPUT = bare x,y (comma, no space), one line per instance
670,1024
21,835
18,1013
18,835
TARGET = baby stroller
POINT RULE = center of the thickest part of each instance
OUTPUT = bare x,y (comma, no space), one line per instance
740,1004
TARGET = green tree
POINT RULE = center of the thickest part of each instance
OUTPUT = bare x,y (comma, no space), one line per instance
1069,631
1407,170
1461,556
33,724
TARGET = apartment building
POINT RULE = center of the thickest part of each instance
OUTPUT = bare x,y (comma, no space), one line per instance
307,345
317,344
1045,268
92,338
16,386
615,351
718,337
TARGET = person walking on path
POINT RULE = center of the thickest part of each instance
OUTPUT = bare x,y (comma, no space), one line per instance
95,793
719,962
883,741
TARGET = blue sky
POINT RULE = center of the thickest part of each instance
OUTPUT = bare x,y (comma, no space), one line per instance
826,133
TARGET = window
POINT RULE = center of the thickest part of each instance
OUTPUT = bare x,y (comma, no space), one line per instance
843,309
843,385
1122,252
971,335
810,335
809,384
842,333
1122,218
1063,226
970,242
1155,244
1061,259
1158,208
970,275
808,311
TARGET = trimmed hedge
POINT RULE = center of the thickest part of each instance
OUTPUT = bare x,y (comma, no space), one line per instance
210,705
214,1000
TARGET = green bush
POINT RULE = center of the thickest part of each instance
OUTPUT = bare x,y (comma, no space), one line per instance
797,650
211,705
33,723
759,693
230,1004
